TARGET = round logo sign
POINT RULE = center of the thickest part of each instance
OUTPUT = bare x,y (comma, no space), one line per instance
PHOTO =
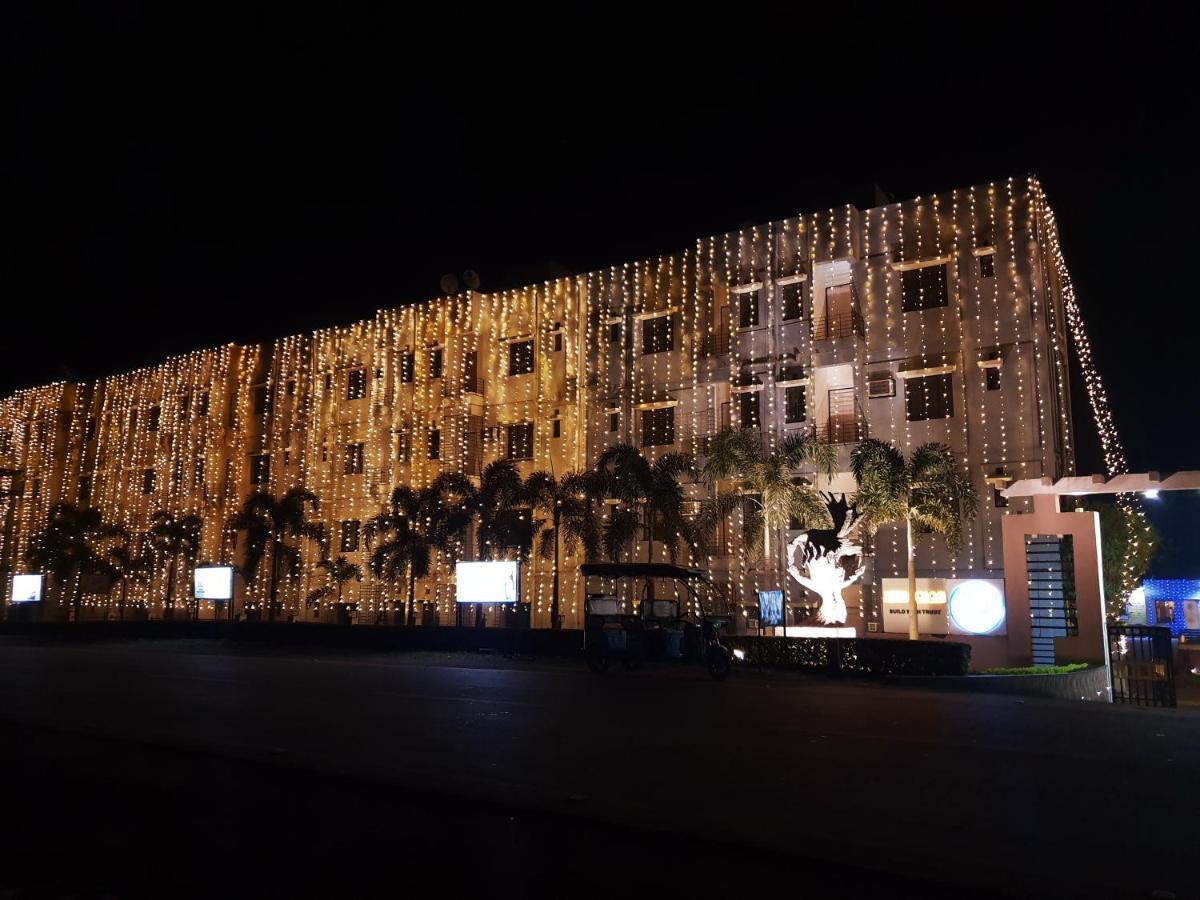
976,607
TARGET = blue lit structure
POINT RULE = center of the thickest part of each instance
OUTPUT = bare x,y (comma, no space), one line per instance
1174,591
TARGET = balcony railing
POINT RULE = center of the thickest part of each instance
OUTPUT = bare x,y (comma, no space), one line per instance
717,343
842,430
838,325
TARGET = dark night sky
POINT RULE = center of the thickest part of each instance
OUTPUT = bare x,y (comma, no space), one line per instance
176,178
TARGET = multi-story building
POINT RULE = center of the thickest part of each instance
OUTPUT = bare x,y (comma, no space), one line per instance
934,319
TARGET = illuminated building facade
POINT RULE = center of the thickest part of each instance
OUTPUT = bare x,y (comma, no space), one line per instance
935,319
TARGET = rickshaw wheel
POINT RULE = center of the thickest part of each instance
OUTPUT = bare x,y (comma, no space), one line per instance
631,661
597,658
718,663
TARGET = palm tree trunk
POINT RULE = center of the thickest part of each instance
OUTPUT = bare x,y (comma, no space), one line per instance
75,597
169,605
410,616
121,605
912,583
272,592
555,620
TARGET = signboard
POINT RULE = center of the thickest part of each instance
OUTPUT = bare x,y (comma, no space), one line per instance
494,581
214,583
27,588
770,608
1191,615
976,606
1135,607
931,606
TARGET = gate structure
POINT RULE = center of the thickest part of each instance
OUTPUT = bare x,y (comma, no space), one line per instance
1142,669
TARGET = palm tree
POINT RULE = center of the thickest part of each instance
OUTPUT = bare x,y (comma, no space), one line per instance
930,489
340,572
505,512
173,536
414,524
64,548
269,523
623,474
126,563
766,480
569,504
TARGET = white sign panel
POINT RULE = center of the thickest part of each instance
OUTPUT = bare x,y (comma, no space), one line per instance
487,582
1135,608
27,588
931,606
214,583
976,606
1191,615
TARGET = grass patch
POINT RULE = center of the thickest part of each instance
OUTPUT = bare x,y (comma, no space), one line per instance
1037,670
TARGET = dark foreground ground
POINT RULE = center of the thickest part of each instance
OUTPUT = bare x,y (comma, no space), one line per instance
174,769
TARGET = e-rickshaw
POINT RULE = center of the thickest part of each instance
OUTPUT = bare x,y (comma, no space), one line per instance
659,629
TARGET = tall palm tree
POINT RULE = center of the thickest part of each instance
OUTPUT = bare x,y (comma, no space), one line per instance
569,505
128,562
766,480
654,489
269,524
414,524
340,572
504,506
171,537
930,489
65,548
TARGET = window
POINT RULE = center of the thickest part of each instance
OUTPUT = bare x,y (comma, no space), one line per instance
356,384
793,301
198,473
352,459
148,481
471,372
520,440
999,501
929,397
406,367
747,309
614,422
153,419
558,345
658,427
558,427
748,408
987,266
259,393
324,453
402,446
89,432
991,378
520,357
328,382
260,468
435,444
202,406
85,489
435,362
350,530
614,333
924,288
658,334
291,387
794,405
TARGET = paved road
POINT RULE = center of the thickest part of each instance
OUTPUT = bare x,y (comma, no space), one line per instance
995,793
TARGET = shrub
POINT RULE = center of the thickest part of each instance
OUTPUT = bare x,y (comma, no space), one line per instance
1036,670
874,657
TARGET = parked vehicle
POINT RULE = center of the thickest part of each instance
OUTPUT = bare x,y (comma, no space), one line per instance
633,625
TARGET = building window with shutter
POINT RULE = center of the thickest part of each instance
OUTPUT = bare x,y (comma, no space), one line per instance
987,266
658,427
260,468
614,422
794,409
353,459
658,335
558,427
148,481
202,406
614,333
520,440
929,397
259,394
435,362
198,473
991,378
748,407
356,384
435,444
520,358
85,490
350,530
793,301
924,288
747,309
153,419
406,367
558,343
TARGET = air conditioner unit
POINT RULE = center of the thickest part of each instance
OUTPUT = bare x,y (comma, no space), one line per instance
880,384
872,626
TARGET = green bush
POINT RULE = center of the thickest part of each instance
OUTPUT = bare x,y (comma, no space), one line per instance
881,656
1036,670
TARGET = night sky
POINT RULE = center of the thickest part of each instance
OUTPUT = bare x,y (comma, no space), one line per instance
174,179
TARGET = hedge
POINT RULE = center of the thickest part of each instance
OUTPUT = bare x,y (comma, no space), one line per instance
881,656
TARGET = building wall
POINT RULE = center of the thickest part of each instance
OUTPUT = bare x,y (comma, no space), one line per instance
294,404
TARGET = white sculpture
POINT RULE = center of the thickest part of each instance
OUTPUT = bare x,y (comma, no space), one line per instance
821,555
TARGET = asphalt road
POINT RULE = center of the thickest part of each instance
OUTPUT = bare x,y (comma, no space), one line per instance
493,770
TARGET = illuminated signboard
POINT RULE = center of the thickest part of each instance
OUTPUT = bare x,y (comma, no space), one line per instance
770,608
931,606
488,582
27,588
976,606
214,582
